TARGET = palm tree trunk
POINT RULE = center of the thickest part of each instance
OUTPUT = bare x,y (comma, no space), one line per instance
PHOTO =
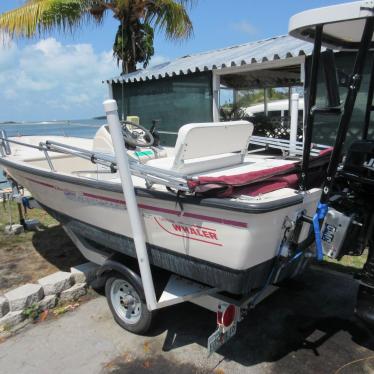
128,63
131,67
132,64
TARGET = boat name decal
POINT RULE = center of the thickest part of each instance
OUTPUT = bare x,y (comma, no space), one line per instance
195,231
191,232
93,200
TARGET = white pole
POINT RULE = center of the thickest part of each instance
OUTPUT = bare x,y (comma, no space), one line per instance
216,85
266,102
293,122
120,151
110,91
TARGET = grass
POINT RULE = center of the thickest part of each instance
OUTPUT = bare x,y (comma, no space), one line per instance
10,209
31,255
348,264
32,312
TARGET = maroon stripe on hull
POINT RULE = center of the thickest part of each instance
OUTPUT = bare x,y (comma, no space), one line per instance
216,220
104,198
221,221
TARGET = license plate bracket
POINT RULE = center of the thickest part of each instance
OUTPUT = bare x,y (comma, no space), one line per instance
219,338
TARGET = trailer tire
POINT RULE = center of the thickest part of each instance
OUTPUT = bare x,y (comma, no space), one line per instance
126,301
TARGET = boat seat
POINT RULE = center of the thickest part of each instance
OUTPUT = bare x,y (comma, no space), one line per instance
201,147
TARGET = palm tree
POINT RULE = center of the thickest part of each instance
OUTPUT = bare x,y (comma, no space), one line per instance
137,21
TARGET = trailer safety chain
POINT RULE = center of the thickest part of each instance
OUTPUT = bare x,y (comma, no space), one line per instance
322,210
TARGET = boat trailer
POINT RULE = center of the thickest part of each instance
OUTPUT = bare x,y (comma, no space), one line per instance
229,310
142,289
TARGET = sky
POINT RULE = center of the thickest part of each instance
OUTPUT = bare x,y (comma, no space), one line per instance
60,76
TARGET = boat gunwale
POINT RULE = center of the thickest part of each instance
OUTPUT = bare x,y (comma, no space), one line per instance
255,207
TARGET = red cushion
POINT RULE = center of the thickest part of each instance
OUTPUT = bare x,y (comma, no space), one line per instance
272,184
243,178
256,182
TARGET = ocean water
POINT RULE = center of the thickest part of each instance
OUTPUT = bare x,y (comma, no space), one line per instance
77,128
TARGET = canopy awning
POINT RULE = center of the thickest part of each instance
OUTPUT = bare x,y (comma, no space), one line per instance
273,49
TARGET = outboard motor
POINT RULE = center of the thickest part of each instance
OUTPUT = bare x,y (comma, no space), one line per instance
349,227
359,171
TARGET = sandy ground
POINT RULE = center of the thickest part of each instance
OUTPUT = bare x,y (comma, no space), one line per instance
305,329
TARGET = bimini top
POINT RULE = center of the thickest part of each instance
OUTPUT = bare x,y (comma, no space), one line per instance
343,24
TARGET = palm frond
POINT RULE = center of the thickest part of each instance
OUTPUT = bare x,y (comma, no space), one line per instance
40,16
134,39
171,16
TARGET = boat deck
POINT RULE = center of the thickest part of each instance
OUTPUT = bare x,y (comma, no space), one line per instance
81,168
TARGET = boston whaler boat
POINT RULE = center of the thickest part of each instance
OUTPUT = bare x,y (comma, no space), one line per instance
227,224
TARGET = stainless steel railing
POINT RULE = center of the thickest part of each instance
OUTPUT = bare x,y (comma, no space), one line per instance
151,175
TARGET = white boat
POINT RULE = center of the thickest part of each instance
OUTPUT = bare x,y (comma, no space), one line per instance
226,242
208,210
276,108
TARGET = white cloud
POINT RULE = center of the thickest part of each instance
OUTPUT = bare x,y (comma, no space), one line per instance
245,27
158,59
5,38
8,53
48,80
155,60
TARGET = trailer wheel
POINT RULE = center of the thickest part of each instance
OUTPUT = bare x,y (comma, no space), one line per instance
127,302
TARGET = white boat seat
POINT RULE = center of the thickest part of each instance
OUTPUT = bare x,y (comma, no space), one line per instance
201,147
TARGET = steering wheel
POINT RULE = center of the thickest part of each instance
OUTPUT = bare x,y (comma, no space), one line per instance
139,137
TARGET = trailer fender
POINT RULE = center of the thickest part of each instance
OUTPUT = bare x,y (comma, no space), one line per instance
111,266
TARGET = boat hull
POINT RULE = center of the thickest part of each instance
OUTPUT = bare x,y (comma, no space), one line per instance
221,277
226,245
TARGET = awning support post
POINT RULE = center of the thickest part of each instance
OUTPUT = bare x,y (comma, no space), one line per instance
294,119
266,101
136,223
216,85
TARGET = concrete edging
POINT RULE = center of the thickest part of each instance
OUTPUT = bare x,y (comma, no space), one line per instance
46,293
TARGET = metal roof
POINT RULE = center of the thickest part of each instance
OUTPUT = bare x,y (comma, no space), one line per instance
280,47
